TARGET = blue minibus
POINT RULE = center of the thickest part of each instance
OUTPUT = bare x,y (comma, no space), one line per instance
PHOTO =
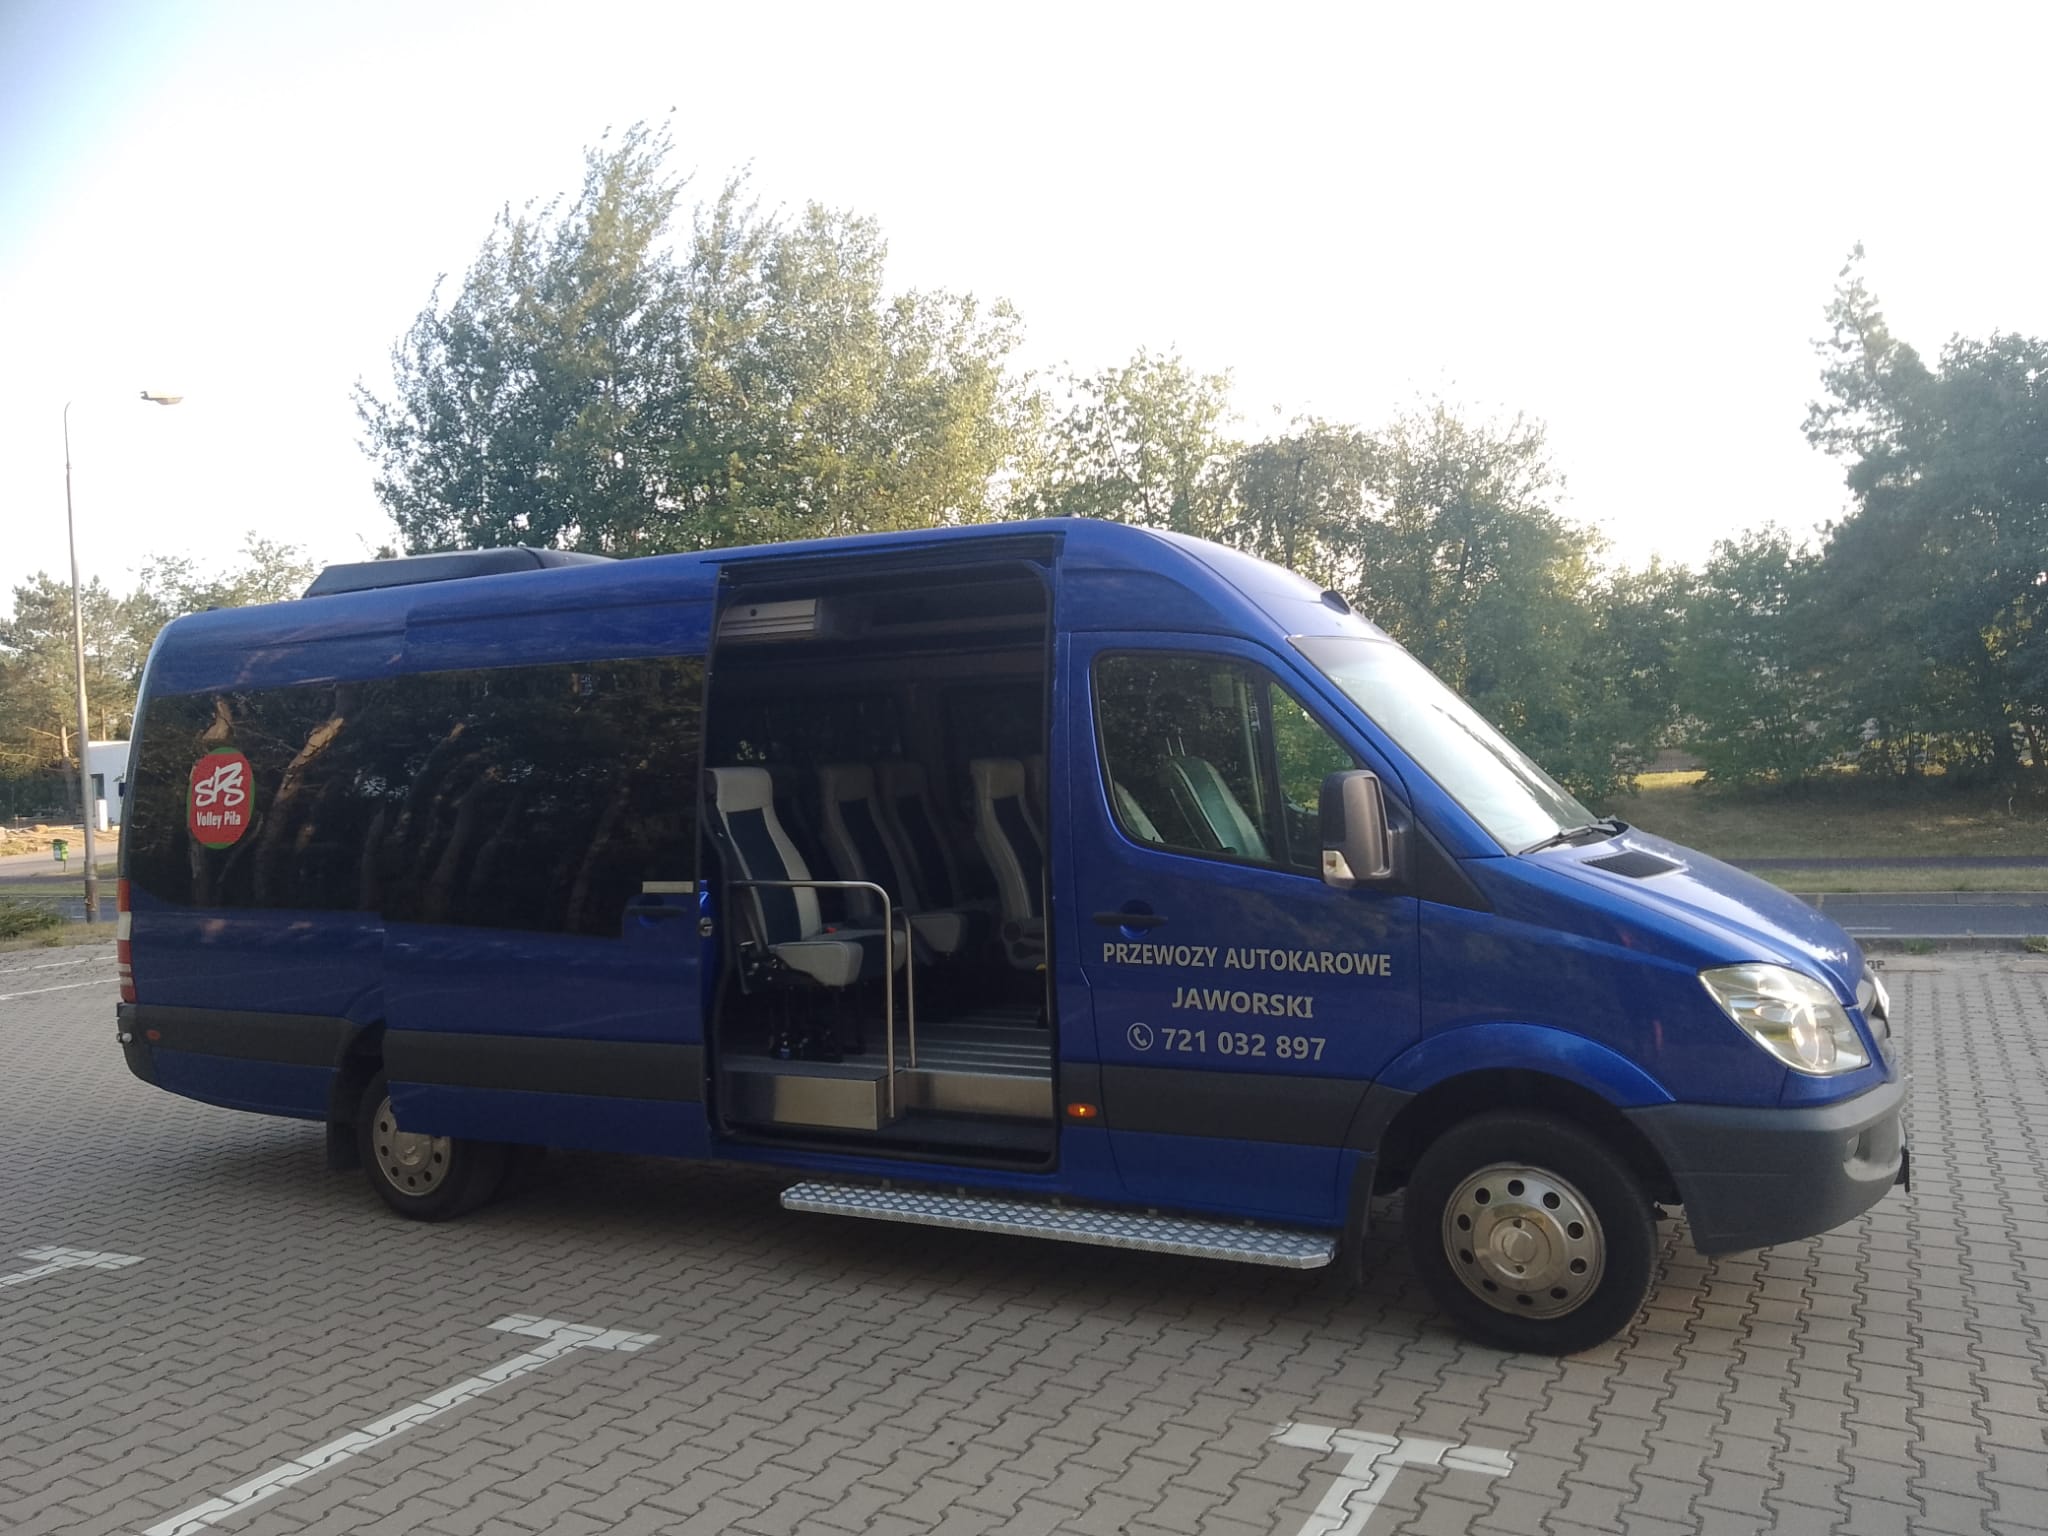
1053,878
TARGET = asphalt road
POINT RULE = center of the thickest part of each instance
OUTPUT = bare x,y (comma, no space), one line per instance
38,877
1963,861
1940,915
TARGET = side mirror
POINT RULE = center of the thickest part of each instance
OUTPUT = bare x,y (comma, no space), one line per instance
1359,847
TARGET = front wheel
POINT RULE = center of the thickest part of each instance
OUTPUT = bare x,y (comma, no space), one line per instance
429,1178
1530,1232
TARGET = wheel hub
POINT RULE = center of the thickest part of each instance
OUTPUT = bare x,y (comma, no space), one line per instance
411,1162
1524,1241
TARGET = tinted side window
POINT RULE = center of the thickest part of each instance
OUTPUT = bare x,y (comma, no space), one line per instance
540,798
155,853
314,781
1209,756
523,797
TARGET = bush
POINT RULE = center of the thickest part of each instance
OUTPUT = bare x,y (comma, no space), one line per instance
21,918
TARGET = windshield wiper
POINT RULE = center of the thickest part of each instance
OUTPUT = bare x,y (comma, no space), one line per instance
1606,826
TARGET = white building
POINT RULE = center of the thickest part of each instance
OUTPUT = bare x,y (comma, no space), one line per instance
107,762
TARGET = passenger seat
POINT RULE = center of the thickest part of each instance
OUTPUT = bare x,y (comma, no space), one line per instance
907,811
796,810
1015,850
1205,799
861,846
788,923
1132,814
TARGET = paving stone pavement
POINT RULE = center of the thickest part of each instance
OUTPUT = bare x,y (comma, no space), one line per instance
812,1374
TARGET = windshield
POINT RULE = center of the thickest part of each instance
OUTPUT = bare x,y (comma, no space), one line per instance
1517,802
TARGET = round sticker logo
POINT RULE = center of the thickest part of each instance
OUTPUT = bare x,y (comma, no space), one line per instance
217,800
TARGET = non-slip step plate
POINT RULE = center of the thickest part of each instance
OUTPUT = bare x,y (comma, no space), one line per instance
1192,1237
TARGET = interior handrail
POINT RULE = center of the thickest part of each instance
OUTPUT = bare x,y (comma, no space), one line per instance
888,965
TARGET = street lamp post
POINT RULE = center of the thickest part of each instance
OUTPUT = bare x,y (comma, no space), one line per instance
85,795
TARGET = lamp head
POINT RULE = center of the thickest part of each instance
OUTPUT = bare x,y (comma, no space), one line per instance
159,397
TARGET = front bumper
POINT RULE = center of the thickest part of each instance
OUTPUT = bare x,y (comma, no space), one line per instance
1752,1177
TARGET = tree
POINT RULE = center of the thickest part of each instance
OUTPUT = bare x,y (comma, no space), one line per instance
539,407
1301,497
1142,443
828,406
1458,517
590,387
1939,578
1756,701
170,585
38,670
1623,679
1455,546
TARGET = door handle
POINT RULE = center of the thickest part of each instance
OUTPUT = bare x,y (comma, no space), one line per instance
1128,919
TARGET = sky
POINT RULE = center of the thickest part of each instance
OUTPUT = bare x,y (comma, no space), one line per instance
1624,222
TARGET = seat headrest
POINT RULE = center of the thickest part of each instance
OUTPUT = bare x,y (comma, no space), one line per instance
846,781
742,789
996,778
900,777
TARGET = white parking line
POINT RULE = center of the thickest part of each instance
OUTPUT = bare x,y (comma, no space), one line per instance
1376,1460
557,1339
69,986
55,1259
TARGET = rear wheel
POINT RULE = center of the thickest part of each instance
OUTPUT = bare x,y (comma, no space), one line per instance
1531,1232
429,1178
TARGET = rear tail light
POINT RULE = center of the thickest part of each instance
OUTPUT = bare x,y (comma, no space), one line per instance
124,949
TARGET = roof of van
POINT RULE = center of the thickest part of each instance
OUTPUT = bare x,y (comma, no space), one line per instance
444,565
1114,576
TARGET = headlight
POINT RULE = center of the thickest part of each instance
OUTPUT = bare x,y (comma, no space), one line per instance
1792,1016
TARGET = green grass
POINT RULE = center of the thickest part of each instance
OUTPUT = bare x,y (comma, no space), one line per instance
1841,817
2024,877
63,936
26,919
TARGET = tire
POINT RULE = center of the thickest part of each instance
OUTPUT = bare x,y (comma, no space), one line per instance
428,1178
1530,1232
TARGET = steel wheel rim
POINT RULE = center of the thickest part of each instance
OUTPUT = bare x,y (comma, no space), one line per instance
1524,1241
411,1163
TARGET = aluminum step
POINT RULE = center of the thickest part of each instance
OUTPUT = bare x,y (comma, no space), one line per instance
830,1095
1012,1094
1194,1237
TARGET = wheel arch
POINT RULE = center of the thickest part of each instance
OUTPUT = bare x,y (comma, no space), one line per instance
359,1065
1426,1115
